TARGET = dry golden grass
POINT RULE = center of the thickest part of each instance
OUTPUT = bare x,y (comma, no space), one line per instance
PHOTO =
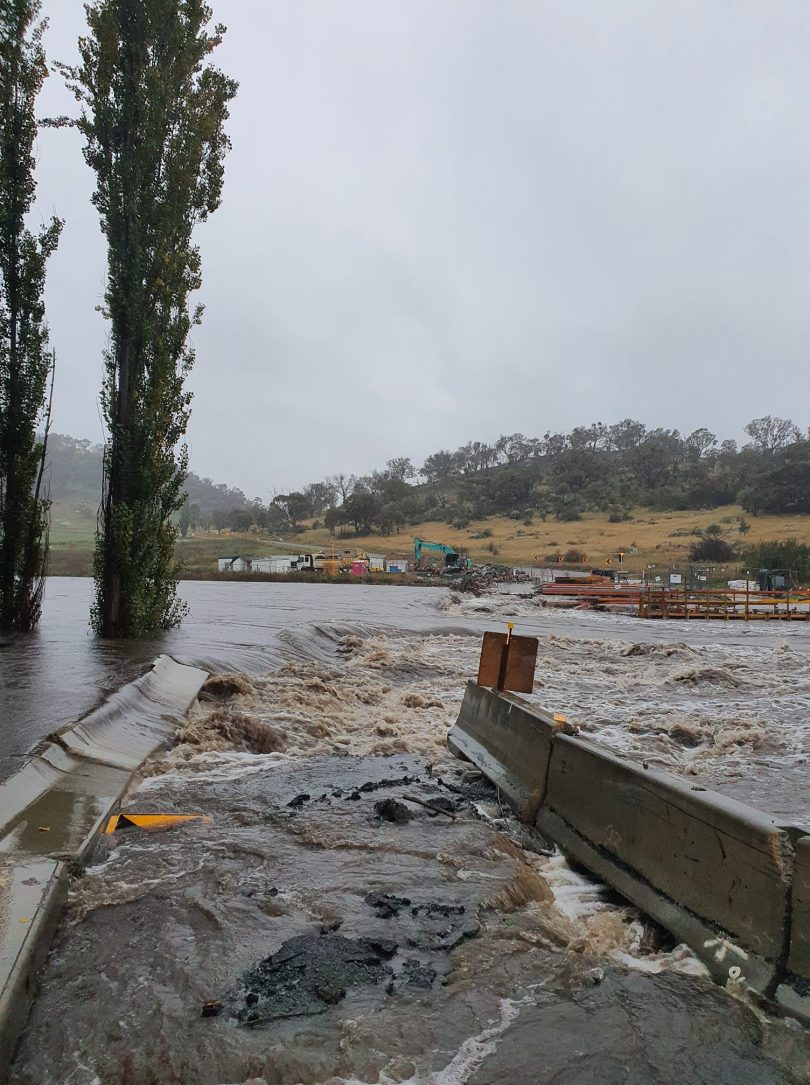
518,544
514,542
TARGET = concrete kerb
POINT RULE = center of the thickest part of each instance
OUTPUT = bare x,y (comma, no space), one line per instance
509,740
33,895
53,810
717,873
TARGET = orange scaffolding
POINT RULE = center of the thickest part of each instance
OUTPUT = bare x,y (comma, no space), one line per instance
724,604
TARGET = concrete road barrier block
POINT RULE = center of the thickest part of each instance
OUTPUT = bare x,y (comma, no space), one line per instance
799,959
720,860
794,992
509,740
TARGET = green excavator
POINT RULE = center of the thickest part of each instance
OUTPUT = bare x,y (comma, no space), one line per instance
453,561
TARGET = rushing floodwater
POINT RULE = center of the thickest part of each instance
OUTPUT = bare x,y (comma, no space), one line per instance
56,675
350,936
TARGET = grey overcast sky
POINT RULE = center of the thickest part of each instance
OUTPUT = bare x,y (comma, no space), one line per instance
448,219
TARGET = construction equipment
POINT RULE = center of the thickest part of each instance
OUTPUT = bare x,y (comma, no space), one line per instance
311,563
453,561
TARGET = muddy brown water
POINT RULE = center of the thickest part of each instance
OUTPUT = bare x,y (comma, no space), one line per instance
60,672
56,675
287,912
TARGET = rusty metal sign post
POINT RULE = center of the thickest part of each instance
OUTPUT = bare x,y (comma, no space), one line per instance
508,662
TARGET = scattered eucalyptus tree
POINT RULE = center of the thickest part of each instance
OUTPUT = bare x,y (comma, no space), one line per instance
26,364
153,117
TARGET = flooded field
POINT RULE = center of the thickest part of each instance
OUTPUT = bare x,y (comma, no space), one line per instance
362,910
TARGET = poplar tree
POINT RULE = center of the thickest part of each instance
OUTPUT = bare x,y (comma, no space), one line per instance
26,364
154,110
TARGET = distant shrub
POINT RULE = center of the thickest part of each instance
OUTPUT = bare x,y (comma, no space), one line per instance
712,548
460,522
574,556
493,548
618,515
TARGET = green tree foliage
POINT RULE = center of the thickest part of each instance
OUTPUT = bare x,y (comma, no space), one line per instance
184,521
26,364
294,507
769,434
780,481
153,119
786,554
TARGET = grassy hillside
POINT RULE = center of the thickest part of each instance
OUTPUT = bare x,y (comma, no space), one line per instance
662,538
72,553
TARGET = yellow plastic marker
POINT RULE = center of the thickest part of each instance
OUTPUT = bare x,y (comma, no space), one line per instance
152,821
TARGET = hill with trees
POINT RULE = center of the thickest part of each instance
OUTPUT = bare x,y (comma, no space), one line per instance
596,468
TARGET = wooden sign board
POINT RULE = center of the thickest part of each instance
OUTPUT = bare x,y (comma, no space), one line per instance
508,666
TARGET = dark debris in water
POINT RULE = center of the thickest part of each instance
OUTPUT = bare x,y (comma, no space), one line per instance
298,801
386,905
378,785
309,974
393,811
431,926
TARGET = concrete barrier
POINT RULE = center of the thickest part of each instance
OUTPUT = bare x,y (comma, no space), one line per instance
719,863
510,741
715,872
794,991
53,809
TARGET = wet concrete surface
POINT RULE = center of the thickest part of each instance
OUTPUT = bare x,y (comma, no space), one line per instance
346,947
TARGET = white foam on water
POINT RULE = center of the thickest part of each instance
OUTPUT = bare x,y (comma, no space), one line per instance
464,1063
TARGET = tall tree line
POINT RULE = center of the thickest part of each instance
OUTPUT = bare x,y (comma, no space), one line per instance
153,114
153,119
26,363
